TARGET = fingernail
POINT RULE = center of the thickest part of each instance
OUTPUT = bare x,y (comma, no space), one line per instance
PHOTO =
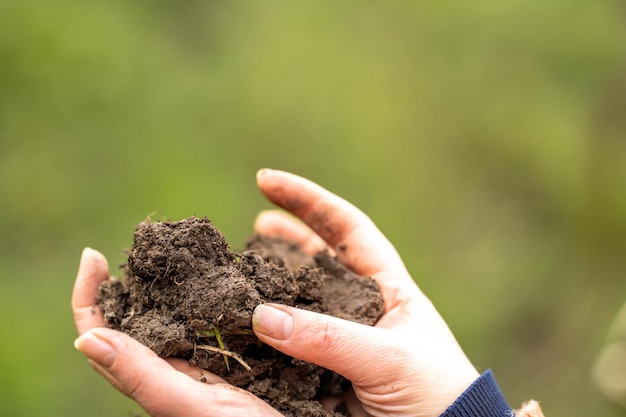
96,349
88,250
84,253
262,172
272,322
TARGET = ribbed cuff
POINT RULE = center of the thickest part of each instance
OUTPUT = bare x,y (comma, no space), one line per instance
482,399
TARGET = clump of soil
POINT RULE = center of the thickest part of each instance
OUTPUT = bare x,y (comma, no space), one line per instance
186,294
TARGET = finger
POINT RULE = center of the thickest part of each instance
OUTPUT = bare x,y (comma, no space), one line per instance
358,242
159,388
383,364
349,400
346,347
180,365
194,372
93,269
281,225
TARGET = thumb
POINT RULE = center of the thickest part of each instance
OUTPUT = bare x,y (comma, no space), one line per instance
343,346
158,387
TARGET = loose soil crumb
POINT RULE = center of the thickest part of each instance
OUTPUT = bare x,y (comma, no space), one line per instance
185,289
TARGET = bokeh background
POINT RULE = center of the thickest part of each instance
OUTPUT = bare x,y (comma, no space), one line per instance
486,139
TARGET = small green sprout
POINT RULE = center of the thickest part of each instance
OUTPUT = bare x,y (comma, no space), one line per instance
221,349
218,336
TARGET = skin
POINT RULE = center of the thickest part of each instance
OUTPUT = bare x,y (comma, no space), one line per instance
409,364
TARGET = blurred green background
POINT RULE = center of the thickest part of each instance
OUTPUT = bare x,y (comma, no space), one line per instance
486,139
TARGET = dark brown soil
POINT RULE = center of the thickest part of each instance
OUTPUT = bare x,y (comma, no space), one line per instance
184,287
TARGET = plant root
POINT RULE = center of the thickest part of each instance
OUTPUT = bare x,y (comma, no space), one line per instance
233,355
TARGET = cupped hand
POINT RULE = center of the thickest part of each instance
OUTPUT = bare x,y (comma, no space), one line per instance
163,387
409,364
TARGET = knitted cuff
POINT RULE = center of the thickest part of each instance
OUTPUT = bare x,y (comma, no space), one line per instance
482,399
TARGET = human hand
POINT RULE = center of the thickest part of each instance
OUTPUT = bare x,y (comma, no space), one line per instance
163,387
409,364
392,372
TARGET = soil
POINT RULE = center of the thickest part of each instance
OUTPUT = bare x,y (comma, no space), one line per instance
186,294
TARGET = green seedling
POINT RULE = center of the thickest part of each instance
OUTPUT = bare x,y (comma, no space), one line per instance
221,349
218,336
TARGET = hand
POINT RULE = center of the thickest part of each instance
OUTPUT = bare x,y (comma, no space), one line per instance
409,364
163,387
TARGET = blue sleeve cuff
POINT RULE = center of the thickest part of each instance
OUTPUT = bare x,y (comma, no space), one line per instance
482,399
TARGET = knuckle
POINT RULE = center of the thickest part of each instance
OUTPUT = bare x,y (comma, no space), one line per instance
322,337
132,387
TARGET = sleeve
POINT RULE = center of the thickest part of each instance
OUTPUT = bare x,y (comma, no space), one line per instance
482,399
